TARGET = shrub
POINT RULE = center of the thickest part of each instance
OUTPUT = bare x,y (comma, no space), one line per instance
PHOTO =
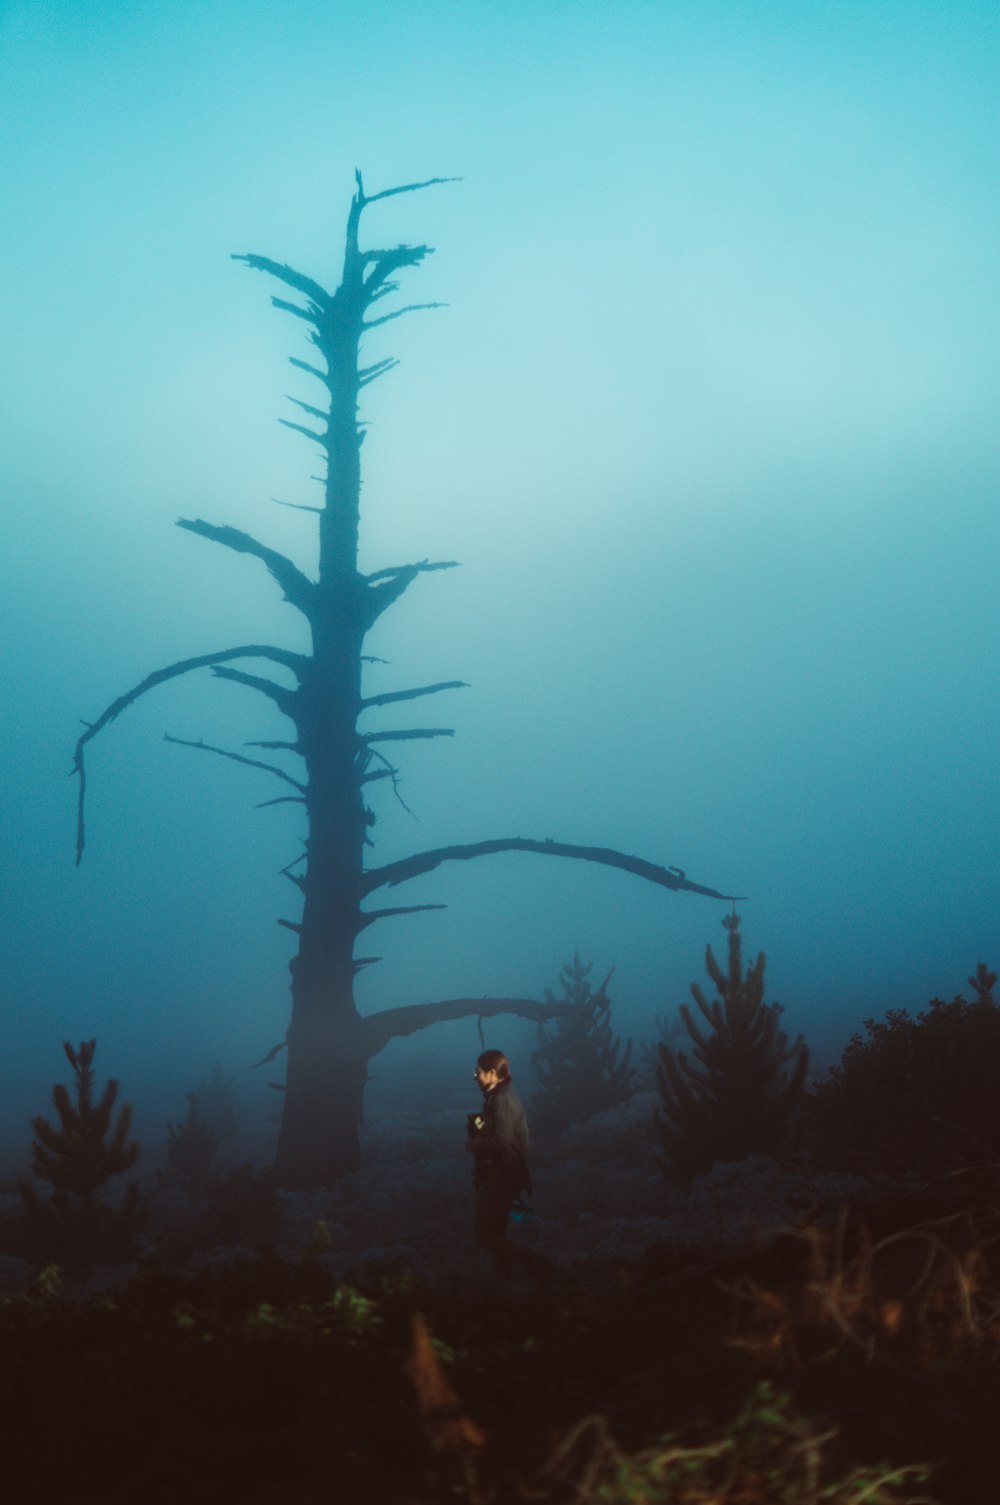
919,1093
743,1096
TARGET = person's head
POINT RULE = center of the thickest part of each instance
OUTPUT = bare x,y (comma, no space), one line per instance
492,1069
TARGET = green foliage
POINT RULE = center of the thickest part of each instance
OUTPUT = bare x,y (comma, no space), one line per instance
743,1095
89,1147
192,1146
347,1317
916,1092
579,1062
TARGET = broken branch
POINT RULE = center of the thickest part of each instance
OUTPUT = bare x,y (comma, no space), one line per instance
283,699
426,862
284,273
298,588
417,733
411,308
223,752
388,193
369,917
394,695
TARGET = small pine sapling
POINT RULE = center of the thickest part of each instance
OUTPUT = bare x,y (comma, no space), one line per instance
580,1064
89,1147
743,1095
192,1146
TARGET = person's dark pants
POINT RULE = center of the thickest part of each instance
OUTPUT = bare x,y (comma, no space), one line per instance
493,1204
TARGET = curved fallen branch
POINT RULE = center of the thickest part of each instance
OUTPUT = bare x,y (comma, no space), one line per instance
376,1030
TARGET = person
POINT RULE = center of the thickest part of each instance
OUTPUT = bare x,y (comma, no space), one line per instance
498,1138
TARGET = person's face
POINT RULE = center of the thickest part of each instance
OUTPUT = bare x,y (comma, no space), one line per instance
487,1079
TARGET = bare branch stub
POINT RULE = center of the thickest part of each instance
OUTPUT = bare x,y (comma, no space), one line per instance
323,376
369,916
316,294
300,428
283,699
389,193
411,308
414,734
394,582
389,771
296,506
396,695
422,567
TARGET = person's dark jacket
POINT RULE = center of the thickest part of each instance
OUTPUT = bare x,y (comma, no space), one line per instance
501,1145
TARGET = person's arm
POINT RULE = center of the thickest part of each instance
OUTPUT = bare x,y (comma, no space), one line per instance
507,1136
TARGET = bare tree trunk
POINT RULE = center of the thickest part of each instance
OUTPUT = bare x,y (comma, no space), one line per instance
329,1045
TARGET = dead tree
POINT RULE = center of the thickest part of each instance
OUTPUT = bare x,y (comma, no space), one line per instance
329,1043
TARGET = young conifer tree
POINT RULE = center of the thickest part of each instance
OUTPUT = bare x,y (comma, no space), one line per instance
741,1094
580,1065
74,1227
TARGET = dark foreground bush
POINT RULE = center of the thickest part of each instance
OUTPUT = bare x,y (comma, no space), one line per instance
915,1093
827,1369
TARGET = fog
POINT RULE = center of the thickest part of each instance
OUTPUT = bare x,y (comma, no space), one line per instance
709,422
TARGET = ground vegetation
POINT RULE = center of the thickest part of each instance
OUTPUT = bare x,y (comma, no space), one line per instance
772,1333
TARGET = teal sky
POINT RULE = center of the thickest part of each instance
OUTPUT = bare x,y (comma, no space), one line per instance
710,422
